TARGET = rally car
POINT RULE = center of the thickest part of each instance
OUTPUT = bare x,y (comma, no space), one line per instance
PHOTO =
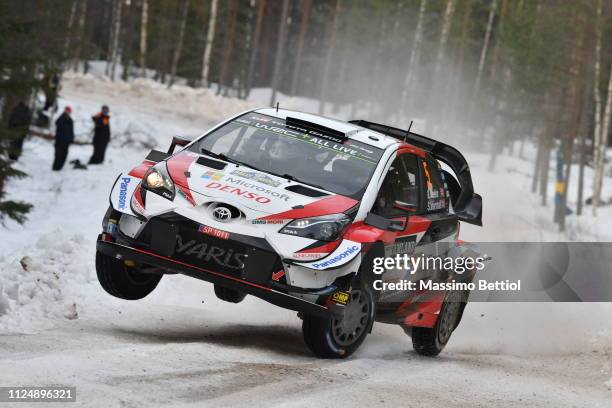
295,208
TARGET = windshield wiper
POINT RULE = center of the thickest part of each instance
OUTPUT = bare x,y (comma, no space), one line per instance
293,178
223,157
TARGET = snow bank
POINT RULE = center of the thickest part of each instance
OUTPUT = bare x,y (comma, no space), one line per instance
48,282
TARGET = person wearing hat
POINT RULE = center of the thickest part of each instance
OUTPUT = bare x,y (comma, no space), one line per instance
64,136
101,135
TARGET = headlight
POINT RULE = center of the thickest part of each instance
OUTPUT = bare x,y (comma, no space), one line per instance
159,182
324,228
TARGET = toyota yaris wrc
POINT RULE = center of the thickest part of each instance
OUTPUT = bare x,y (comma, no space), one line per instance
295,209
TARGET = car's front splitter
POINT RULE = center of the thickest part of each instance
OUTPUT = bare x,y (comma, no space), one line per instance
284,300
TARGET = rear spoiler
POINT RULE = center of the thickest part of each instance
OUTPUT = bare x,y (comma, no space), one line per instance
466,203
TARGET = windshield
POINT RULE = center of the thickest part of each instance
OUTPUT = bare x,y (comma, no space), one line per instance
268,144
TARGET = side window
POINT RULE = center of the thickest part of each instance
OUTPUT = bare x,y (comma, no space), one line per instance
435,190
399,192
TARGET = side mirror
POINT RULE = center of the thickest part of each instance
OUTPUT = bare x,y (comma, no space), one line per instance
383,223
178,141
404,206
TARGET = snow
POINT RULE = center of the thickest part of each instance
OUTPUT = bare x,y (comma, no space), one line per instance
182,346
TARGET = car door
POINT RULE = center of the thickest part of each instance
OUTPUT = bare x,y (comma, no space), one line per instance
400,199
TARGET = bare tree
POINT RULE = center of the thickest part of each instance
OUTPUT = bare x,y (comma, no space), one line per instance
144,19
597,142
447,20
70,25
228,45
306,10
414,53
485,47
179,45
210,38
261,8
114,43
328,58
81,34
280,50
603,142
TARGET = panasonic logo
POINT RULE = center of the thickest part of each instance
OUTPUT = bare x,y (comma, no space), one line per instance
123,192
336,258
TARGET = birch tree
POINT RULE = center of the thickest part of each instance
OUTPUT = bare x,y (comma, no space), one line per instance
447,20
115,33
485,47
328,58
210,39
261,8
179,45
306,9
414,53
597,105
280,50
144,20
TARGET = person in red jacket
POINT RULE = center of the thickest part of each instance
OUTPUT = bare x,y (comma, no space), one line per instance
101,135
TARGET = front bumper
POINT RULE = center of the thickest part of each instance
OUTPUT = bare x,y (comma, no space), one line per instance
276,296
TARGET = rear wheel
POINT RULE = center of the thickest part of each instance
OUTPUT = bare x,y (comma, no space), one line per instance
339,338
430,341
123,281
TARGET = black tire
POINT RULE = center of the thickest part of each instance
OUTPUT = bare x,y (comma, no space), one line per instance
339,338
229,295
122,281
430,342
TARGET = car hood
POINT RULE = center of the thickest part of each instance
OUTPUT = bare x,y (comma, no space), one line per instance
245,187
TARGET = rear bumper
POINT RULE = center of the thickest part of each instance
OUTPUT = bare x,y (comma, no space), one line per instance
284,300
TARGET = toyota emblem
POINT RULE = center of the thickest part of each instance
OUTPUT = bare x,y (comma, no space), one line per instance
222,214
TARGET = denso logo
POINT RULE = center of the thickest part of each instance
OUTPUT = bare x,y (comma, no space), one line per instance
239,192
336,258
123,192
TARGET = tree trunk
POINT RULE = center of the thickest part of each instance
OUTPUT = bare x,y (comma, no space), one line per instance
447,20
69,30
144,20
485,48
415,53
81,34
179,46
115,38
280,50
597,102
328,58
261,8
306,9
228,45
603,143
210,39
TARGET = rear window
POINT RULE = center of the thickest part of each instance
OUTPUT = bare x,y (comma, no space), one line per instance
269,144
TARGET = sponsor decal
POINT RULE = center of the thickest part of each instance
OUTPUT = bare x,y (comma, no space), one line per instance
123,192
260,221
405,246
436,204
336,258
334,146
217,233
259,189
227,258
309,255
276,276
340,297
212,175
261,178
239,192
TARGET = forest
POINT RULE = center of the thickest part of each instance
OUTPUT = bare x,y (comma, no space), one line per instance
496,74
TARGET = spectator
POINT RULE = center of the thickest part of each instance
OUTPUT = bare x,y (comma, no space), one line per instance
64,136
101,135
19,120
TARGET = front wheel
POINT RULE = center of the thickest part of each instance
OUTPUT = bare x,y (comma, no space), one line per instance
123,281
339,338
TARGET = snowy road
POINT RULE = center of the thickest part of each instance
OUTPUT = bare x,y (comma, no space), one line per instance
183,346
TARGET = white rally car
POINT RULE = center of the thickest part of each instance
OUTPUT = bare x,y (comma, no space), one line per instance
293,208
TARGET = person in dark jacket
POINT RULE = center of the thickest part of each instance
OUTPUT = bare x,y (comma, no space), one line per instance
19,121
64,136
101,135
